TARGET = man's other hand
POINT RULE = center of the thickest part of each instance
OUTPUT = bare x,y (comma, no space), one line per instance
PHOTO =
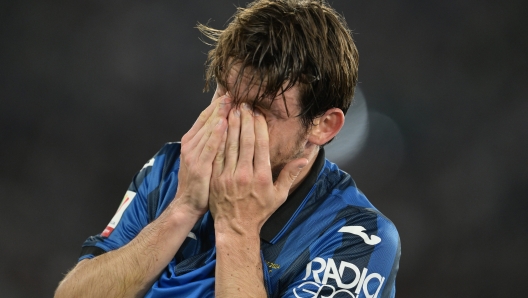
199,147
242,193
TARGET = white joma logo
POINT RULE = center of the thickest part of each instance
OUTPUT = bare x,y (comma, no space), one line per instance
358,230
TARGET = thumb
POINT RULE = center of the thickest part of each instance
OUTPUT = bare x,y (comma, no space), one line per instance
288,175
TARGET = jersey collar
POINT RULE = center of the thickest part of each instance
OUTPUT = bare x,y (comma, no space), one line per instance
278,220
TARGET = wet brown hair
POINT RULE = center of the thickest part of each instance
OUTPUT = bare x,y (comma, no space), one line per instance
286,42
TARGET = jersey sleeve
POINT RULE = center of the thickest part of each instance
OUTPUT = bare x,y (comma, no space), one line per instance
355,257
141,203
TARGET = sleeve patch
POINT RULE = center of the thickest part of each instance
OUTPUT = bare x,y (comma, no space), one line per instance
129,196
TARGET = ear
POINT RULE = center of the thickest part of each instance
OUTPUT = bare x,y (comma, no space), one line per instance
326,126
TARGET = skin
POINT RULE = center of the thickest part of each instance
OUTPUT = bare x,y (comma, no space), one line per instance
243,190
132,269
242,197
288,137
227,161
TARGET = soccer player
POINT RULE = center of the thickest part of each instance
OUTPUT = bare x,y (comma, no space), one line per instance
247,205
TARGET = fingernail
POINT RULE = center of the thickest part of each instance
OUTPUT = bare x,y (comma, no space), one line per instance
302,165
237,112
245,106
256,112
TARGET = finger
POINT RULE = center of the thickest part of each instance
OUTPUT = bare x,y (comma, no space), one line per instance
210,148
262,153
200,122
218,164
247,138
205,116
209,143
287,176
233,133
200,138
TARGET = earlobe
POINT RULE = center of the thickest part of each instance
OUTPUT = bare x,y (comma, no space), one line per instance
326,126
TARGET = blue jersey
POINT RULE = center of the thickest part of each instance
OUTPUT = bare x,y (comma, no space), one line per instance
326,240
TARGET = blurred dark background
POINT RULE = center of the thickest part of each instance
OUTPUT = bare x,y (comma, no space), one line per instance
90,90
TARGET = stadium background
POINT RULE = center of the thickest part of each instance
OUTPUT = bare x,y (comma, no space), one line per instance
90,90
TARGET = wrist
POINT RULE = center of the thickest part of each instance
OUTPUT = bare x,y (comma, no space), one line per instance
179,215
236,237
237,245
233,227
185,205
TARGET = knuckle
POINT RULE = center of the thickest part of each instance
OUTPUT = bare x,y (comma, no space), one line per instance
220,156
209,148
219,161
243,178
203,116
234,120
261,177
292,176
233,148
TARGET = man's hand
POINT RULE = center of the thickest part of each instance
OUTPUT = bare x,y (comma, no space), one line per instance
131,270
243,195
198,149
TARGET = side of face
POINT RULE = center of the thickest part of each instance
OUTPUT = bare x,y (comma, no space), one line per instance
288,137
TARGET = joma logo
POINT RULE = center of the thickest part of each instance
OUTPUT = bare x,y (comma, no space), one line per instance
358,230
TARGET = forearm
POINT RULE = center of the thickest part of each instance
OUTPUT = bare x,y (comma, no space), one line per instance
131,270
238,266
